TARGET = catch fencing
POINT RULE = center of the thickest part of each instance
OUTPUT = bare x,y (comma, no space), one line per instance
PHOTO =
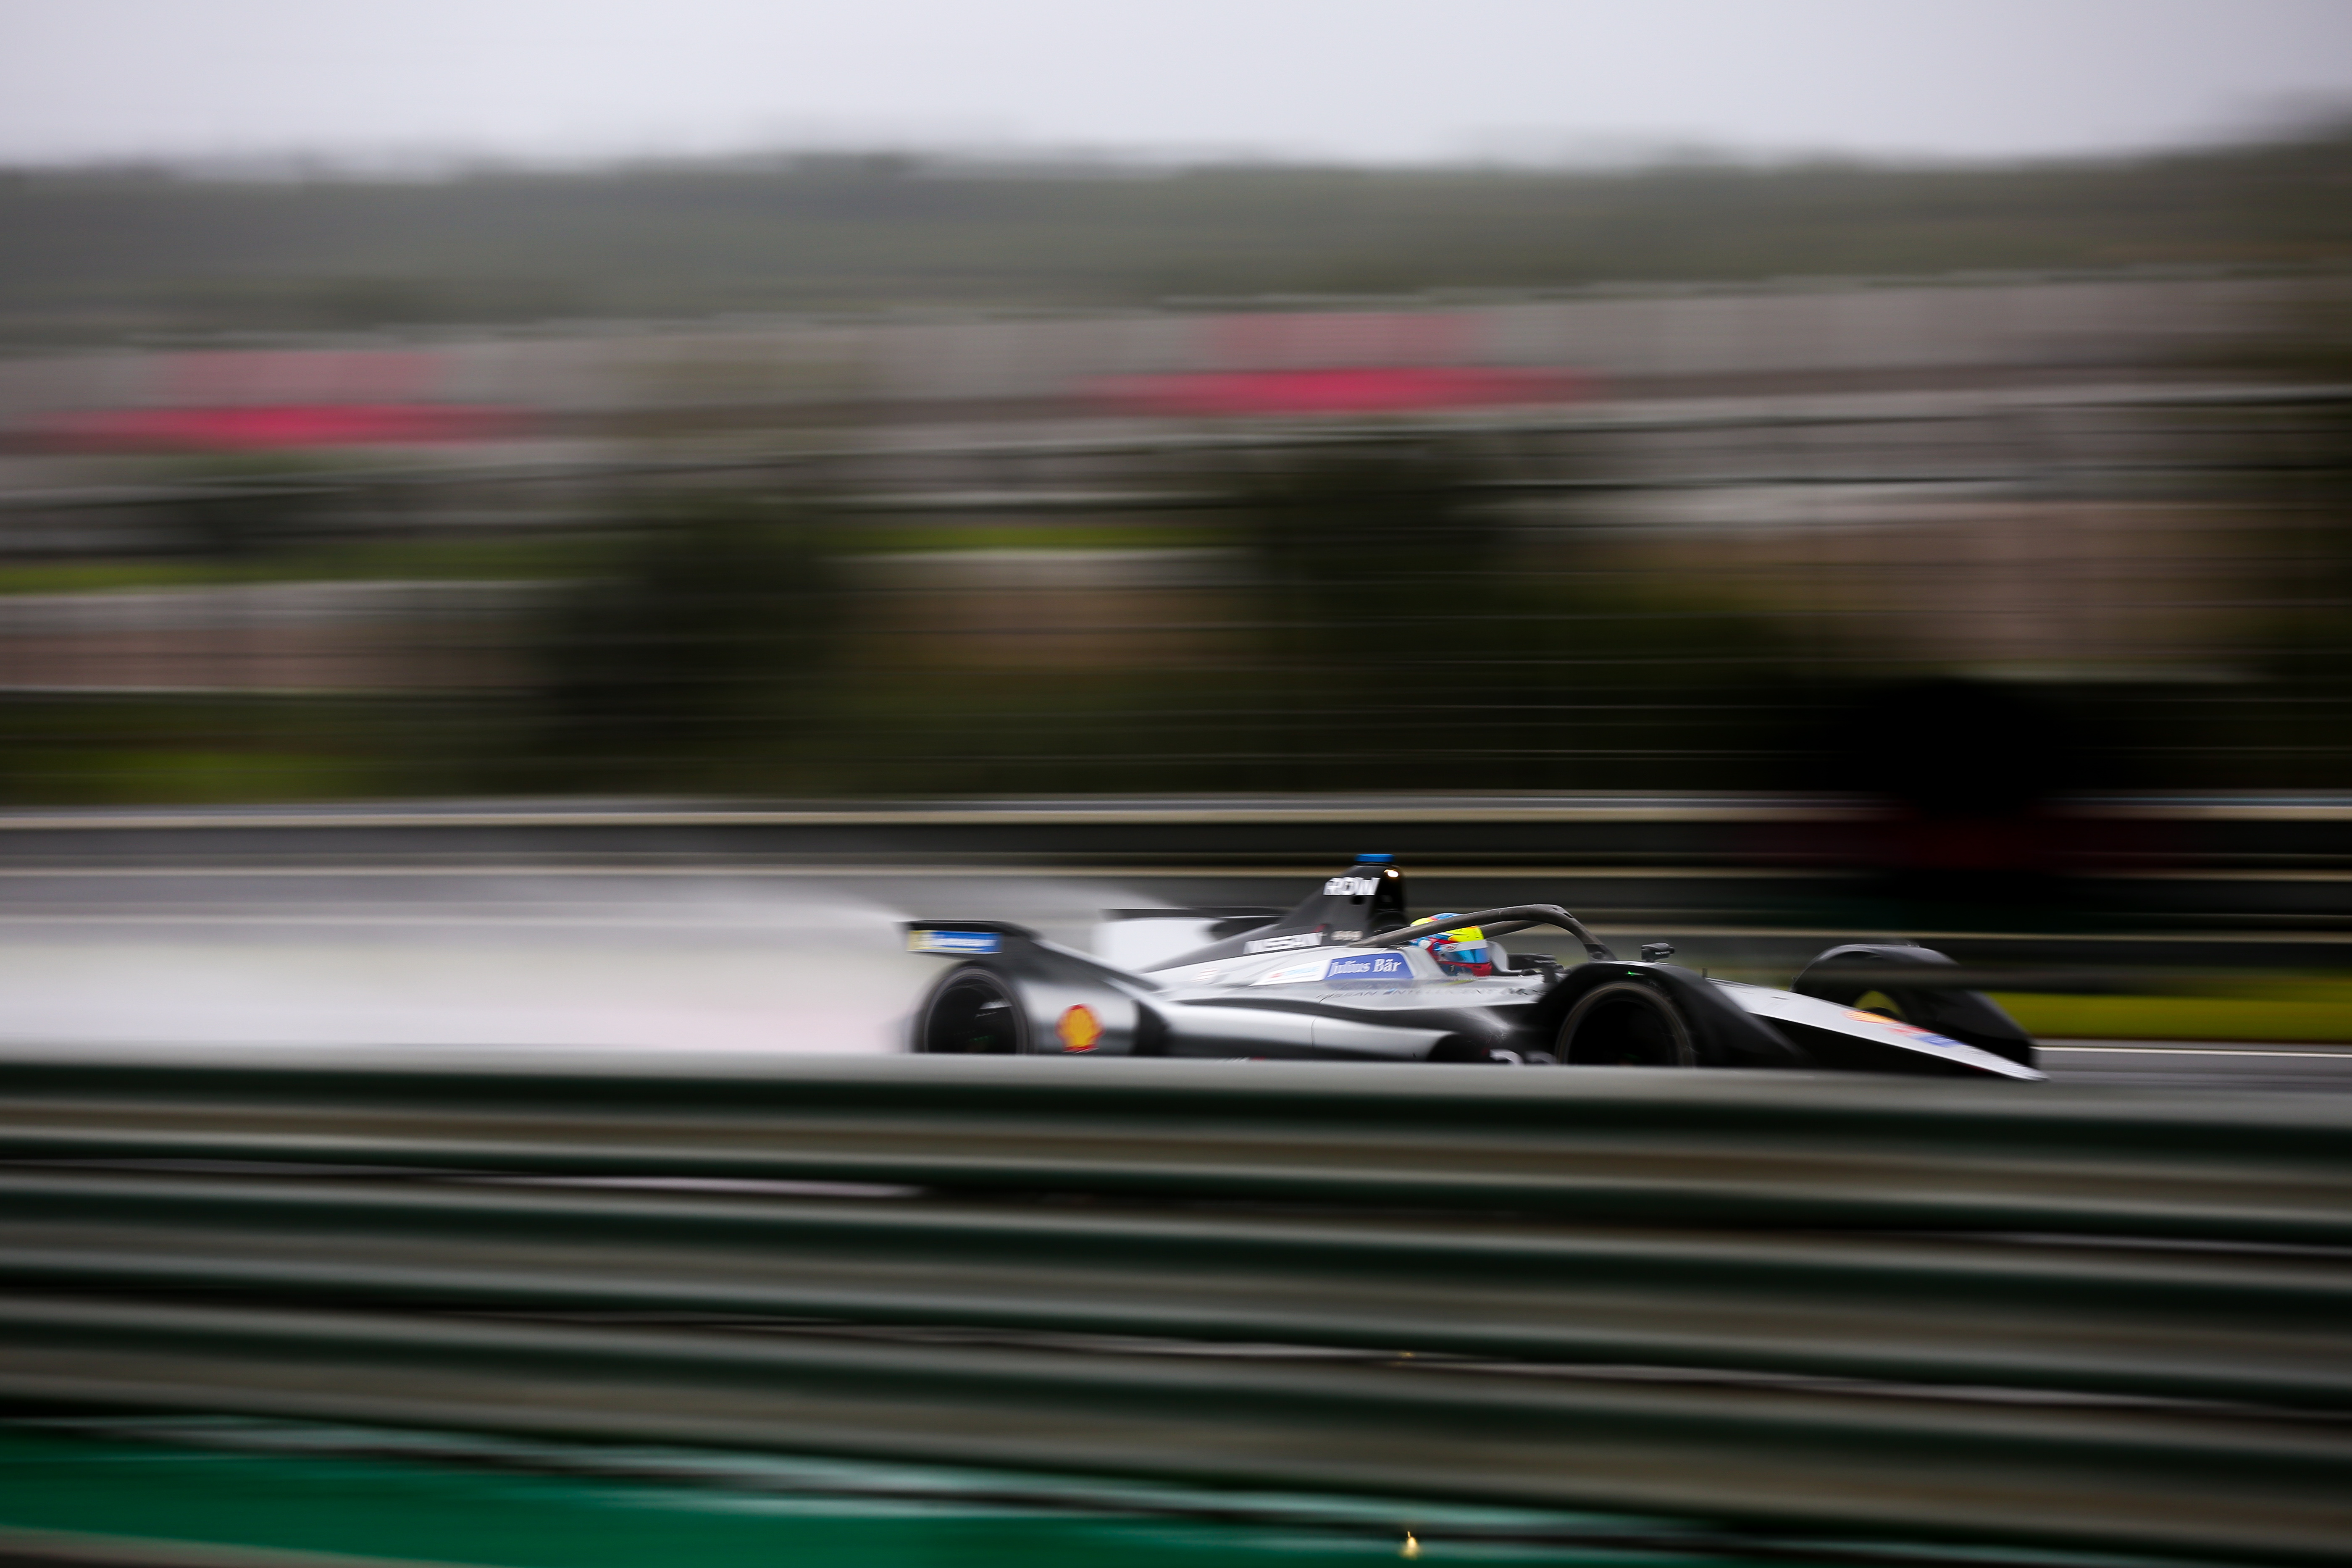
2035,1316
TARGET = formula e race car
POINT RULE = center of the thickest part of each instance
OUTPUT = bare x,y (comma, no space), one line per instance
1347,975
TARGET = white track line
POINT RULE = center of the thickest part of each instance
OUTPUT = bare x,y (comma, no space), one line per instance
2193,1051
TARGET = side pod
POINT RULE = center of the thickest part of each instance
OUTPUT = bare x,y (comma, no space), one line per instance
1071,1003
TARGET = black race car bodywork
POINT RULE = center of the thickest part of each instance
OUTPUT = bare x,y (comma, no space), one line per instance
1346,976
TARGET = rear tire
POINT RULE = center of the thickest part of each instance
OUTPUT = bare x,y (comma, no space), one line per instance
971,1012
1624,1023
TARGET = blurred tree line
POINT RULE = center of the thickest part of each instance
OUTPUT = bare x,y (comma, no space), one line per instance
91,253
1386,615
2291,728
1387,625
703,655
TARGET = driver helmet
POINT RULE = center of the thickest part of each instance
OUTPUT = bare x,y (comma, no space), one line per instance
1462,951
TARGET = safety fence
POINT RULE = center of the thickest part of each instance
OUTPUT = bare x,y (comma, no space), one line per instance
2067,1319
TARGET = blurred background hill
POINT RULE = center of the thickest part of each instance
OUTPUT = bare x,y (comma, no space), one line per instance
94,252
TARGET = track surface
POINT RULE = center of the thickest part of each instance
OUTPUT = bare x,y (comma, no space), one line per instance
766,958
2205,1065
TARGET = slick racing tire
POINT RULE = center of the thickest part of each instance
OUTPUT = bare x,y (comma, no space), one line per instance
1624,1023
971,1012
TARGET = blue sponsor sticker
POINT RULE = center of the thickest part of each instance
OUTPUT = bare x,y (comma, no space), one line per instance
1368,966
1293,974
957,942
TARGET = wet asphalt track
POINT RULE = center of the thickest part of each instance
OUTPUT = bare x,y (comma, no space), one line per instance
696,958
2201,1066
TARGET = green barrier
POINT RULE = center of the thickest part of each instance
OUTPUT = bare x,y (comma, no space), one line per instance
1923,1310
1622,1145
92,1497
2064,1319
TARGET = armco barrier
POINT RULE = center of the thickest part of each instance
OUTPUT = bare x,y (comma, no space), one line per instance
2011,1313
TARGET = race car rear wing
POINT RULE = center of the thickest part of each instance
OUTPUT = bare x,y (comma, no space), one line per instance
1017,949
966,939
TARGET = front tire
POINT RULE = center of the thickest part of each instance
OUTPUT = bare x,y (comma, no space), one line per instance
1624,1023
971,1012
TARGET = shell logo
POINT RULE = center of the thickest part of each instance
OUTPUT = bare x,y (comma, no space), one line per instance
1079,1029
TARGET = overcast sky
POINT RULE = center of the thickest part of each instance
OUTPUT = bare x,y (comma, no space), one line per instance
1373,79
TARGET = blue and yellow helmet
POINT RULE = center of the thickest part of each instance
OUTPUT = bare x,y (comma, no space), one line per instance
1461,950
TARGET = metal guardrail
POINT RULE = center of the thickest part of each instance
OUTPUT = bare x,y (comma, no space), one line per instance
2081,1318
